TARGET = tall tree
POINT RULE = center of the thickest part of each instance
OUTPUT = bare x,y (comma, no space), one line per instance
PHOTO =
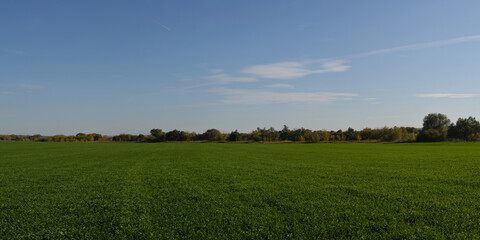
234,136
285,133
158,135
436,121
435,128
467,129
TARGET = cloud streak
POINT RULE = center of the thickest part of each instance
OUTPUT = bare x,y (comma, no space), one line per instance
280,85
295,69
250,97
446,95
216,70
372,101
12,51
292,70
165,27
416,46
31,86
225,78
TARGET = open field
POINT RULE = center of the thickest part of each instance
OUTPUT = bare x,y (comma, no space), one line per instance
239,191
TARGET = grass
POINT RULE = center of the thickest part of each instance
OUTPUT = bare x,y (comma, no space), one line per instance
239,191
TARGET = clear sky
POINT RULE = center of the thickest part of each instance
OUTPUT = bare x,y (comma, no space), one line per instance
129,66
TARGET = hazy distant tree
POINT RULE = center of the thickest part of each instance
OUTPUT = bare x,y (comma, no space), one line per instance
89,138
5,138
81,137
158,135
234,136
97,136
176,135
412,137
156,132
285,134
212,135
255,135
35,137
124,138
339,135
411,130
352,135
383,134
148,138
397,134
323,135
333,136
298,134
192,136
366,133
269,135
308,136
311,136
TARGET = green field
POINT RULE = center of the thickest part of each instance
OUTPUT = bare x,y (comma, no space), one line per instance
239,191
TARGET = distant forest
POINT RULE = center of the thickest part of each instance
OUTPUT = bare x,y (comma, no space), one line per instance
436,128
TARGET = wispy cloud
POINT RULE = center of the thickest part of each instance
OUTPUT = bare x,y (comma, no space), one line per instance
280,85
415,46
225,78
12,51
165,27
372,100
236,96
302,27
6,93
292,70
31,87
446,95
216,70
297,69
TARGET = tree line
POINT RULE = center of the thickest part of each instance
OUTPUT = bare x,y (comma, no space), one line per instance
436,127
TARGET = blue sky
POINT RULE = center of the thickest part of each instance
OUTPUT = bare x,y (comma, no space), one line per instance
129,66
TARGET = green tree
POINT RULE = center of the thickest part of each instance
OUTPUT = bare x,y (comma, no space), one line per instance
255,135
436,121
435,128
467,129
323,135
81,137
285,134
158,135
269,135
176,135
352,135
212,135
397,134
366,133
234,136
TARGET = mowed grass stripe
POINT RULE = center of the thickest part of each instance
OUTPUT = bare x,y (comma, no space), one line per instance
239,191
